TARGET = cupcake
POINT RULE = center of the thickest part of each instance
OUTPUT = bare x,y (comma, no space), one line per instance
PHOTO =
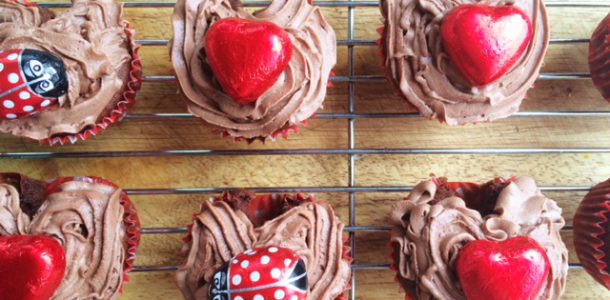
599,57
79,235
499,240
464,63
65,77
252,76
591,235
244,246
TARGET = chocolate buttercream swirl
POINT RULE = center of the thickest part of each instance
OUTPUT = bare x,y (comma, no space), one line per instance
86,219
222,230
296,95
13,221
430,229
91,41
416,62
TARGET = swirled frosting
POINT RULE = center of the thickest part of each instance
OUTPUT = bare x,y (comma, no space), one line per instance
296,95
91,41
86,219
416,62
432,224
224,229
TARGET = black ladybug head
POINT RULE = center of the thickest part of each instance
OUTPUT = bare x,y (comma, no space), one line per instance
44,73
220,286
298,277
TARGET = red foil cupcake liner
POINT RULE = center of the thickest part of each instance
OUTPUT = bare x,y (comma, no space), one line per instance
265,205
284,133
599,57
131,220
122,106
591,236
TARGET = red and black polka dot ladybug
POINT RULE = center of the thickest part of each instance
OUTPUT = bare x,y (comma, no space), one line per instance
30,81
270,273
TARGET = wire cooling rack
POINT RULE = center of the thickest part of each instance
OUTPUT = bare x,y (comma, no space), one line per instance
350,151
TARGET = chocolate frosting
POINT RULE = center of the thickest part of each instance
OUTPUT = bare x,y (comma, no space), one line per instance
429,231
220,232
86,219
416,62
296,95
91,41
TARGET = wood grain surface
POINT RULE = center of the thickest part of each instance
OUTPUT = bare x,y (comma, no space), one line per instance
154,172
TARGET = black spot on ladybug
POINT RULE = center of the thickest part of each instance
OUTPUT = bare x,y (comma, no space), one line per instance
44,73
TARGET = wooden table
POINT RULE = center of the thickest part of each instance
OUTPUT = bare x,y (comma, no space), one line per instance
552,169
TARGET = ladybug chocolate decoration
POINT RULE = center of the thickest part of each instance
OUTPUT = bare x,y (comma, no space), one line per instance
30,81
269,273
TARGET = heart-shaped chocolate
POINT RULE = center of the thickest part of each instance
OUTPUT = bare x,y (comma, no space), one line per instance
31,267
484,42
515,269
247,57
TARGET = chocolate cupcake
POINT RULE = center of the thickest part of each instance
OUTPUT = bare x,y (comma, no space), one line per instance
65,77
591,234
499,240
599,57
252,76
243,246
90,219
464,63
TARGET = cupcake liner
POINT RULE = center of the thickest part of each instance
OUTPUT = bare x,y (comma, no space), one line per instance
381,45
24,2
591,236
130,219
264,207
282,132
599,57
124,104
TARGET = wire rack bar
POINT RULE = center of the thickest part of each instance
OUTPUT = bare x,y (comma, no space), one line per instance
409,115
378,78
352,42
338,189
557,3
351,123
184,230
339,151
355,267
176,230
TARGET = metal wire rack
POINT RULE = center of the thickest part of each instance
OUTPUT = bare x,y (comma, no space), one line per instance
350,151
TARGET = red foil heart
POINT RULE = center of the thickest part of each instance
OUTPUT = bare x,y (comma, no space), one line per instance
247,57
31,267
484,42
515,269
